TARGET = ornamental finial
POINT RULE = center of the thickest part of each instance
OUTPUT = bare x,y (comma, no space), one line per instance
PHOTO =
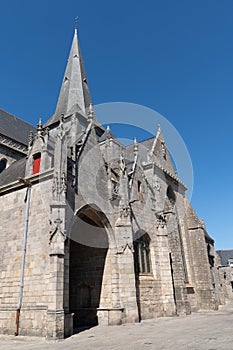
91,111
135,146
39,126
30,138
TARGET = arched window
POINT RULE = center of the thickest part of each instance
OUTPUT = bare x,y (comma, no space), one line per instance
140,190
142,254
36,163
3,163
171,195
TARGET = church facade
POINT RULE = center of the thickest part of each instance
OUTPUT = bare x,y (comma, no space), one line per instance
92,231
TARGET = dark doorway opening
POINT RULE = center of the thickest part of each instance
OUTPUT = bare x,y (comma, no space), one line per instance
88,250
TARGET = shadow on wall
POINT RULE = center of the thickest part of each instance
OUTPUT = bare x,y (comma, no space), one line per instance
86,268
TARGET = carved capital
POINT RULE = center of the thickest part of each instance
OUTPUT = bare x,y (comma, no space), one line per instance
161,221
156,185
124,211
59,185
63,183
121,249
55,186
114,190
56,235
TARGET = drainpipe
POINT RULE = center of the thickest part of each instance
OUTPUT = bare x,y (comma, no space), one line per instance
216,285
24,248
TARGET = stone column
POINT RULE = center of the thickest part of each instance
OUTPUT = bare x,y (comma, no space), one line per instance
58,218
163,270
183,306
115,315
55,312
127,286
125,251
202,272
125,260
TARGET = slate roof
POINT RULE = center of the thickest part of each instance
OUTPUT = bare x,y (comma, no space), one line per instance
225,255
15,128
13,172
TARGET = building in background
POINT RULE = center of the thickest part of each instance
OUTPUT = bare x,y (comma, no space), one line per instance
92,231
224,260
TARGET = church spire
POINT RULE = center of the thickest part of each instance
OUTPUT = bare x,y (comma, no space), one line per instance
74,89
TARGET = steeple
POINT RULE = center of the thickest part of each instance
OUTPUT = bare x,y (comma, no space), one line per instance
74,93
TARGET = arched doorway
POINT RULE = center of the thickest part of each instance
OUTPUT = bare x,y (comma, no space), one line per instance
88,250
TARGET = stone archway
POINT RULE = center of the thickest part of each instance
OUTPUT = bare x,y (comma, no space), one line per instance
89,245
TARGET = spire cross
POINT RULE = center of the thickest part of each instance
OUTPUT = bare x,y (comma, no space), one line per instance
76,23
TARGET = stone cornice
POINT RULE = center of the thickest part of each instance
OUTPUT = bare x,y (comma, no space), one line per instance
200,227
12,144
17,185
114,141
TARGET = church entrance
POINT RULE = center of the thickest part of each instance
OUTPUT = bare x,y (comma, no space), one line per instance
88,251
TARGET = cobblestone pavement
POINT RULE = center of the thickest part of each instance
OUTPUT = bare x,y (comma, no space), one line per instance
199,331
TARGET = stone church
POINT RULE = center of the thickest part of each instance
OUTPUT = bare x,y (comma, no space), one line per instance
92,231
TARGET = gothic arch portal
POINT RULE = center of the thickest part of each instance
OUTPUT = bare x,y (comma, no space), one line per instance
90,266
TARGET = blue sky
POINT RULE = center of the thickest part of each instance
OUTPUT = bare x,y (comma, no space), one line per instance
175,57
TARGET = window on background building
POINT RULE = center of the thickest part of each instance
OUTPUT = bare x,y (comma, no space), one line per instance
3,163
171,195
210,255
36,163
142,254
